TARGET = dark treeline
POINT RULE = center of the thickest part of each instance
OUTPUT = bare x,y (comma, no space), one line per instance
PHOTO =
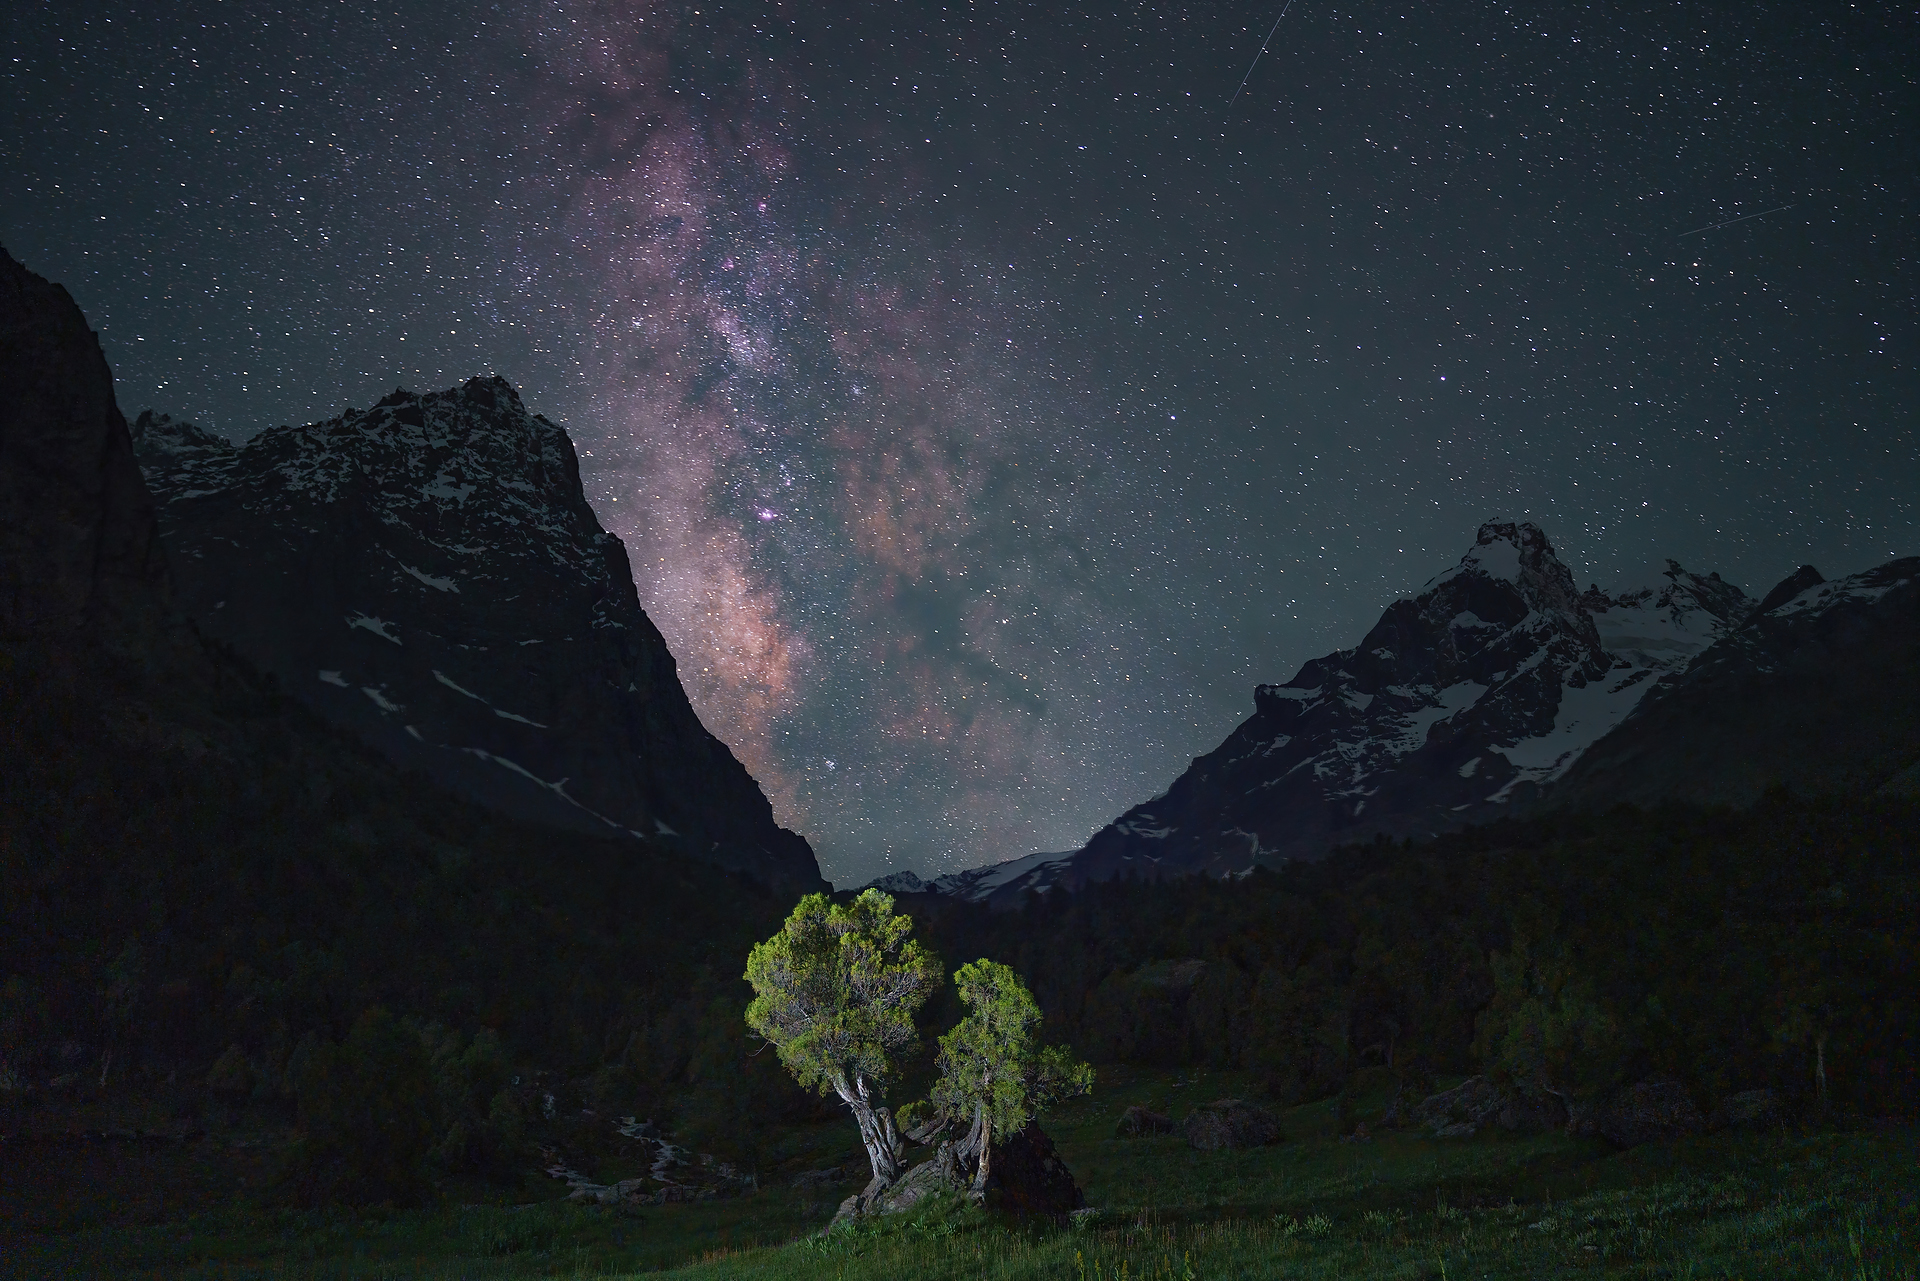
1775,947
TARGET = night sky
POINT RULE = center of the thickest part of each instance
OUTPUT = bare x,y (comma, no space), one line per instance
988,398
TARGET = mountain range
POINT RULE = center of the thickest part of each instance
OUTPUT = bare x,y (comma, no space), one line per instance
427,577
1502,688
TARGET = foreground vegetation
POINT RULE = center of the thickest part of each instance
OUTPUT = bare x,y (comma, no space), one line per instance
1838,1203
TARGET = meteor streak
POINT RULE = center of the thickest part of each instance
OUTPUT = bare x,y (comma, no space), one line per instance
1729,222
1263,49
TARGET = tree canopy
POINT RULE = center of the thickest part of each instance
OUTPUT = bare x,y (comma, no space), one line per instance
835,992
993,1072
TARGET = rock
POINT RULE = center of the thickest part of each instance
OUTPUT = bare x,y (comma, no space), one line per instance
1028,1177
1461,1111
427,575
821,1178
1645,1113
1136,1121
1230,1123
79,545
1476,1103
1747,1110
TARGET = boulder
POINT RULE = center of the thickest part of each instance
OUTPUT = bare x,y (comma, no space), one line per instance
808,1180
1136,1121
1477,1102
1747,1110
1230,1123
1026,1177
1645,1113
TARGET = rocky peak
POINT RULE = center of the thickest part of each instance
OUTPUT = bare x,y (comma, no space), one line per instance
1487,685
1518,554
427,573
79,547
1789,587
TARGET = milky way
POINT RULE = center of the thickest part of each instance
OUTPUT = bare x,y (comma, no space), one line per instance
990,395
854,472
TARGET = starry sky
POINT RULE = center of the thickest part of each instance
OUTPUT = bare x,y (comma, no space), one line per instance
991,394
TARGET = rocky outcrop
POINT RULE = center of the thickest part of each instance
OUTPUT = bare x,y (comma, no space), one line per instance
427,575
1230,1123
79,546
1477,1103
1137,1121
1028,1178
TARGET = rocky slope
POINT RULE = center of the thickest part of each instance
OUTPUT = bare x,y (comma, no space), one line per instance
428,575
1488,685
1817,690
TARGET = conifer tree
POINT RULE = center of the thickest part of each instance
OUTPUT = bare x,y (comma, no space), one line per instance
993,1072
835,992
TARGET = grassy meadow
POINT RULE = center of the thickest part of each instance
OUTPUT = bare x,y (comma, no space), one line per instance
1838,1203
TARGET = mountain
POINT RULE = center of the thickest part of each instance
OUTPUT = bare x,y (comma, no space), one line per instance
195,869
427,575
1817,690
1014,876
1460,702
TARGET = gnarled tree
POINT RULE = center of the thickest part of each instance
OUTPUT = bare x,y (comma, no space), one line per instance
994,1074
835,992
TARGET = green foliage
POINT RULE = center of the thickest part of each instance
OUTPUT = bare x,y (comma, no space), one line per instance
1301,1044
1547,1026
736,1100
991,1065
368,1116
483,1124
837,988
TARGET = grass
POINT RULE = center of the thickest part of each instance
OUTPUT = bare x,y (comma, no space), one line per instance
1825,1205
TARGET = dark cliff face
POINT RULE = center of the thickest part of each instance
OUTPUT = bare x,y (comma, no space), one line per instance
79,548
427,574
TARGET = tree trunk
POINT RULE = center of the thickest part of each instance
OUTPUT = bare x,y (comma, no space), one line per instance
1820,1069
877,1131
983,1141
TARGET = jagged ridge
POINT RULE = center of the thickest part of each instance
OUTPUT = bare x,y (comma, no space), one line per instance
428,574
1472,695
